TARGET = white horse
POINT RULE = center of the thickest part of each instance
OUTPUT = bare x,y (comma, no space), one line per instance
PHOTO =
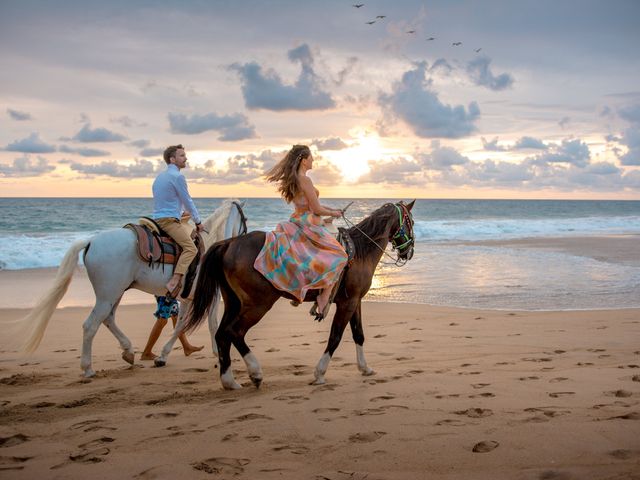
114,266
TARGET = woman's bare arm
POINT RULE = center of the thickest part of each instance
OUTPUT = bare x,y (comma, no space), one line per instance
306,185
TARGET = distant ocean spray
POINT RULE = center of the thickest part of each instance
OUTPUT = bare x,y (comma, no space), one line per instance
36,233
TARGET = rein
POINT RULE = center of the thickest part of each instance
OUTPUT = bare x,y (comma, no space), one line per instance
400,233
243,219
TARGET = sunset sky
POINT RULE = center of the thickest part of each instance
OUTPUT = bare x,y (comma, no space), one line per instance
436,99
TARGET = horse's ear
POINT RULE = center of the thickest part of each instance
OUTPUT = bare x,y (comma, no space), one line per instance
410,205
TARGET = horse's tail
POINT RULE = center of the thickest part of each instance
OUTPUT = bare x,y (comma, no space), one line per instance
35,323
209,279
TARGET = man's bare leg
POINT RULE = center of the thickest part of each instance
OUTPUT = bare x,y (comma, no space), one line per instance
186,346
147,354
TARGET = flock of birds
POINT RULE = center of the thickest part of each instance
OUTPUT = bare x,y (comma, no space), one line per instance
410,32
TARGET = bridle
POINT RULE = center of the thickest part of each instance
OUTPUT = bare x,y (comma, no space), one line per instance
404,237
243,220
401,240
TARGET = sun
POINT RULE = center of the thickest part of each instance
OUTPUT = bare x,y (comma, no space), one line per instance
353,162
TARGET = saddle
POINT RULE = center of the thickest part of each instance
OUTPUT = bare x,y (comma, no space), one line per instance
156,247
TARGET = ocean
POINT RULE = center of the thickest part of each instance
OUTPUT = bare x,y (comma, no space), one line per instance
454,264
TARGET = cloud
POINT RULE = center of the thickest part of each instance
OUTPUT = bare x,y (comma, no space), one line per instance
529,143
398,171
235,169
442,158
630,113
413,101
31,144
631,139
573,152
140,143
127,121
524,143
231,127
493,146
26,167
84,152
266,90
139,169
480,74
332,143
152,152
18,115
89,135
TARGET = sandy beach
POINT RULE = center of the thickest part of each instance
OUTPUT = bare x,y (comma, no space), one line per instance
457,394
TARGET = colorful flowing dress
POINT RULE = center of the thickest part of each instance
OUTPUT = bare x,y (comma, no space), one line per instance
301,254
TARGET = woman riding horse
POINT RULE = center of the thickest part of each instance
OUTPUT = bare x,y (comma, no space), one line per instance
301,254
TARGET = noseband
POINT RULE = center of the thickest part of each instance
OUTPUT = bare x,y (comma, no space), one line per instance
243,219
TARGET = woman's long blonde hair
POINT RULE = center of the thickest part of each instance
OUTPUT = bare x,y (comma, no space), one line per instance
285,173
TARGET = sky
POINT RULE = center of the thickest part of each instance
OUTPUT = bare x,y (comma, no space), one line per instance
397,98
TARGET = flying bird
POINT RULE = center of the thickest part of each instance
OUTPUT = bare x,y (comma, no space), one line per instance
456,44
430,38
358,5
411,31
381,16
477,50
371,22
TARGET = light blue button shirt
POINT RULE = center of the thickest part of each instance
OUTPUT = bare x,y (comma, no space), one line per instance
171,196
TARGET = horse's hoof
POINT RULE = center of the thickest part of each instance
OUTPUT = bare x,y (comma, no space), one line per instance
128,357
159,363
232,386
368,372
256,381
318,381
89,373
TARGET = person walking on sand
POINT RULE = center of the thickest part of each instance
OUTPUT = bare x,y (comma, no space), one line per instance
171,197
167,307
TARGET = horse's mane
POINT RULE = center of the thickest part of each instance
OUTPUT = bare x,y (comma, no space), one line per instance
372,226
215,223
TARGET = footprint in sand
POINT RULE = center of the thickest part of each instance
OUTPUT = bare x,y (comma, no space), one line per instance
635,378
195,370
475,412
621,454
16,439
529,378
480,385
12,463
547,411
90,456
295,449
596,350
271,350
374,381
43,405
366,437
325,410
451,422
537,359
554,475
627,416
558,379
561,394
484,395
403,359
250,416
291,399
97,442
628,366
222,465
620,393
161,415
380,335
485,446
382,397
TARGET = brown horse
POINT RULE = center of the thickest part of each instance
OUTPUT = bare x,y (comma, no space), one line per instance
248,296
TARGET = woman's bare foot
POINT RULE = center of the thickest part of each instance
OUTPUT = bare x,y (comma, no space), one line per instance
189,349
148,356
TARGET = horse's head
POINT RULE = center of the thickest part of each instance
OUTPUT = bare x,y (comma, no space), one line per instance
403,239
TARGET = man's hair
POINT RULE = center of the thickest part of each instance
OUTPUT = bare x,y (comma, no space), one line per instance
171,152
